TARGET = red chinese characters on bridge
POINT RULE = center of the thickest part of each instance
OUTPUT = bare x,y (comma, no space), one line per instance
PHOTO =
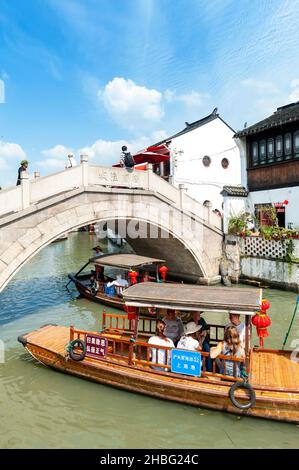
96,346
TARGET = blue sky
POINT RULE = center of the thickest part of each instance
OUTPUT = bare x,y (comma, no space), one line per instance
89,75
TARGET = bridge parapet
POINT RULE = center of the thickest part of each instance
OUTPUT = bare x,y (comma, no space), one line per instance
157,218
85,176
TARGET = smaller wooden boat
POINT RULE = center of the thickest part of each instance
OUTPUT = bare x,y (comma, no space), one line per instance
121,356
121,263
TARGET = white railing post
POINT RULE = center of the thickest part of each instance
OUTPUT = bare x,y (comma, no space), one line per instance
149,168
208,205
84,164
25,189
182,192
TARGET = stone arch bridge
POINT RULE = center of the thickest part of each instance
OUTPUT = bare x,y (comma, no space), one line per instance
156,218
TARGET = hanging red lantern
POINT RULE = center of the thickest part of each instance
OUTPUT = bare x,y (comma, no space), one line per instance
285,202
261,321
133,277
265,304
131,311
163,271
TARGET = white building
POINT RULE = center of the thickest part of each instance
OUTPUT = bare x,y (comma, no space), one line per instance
205,158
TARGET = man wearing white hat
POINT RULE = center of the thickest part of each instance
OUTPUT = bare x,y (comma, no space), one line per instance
71,162
188,340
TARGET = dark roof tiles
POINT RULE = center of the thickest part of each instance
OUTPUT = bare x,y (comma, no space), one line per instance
283,115
236,191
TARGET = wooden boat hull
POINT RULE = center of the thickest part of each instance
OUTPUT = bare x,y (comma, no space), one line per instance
101,298
270,404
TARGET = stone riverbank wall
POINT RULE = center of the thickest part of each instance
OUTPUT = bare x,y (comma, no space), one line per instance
274,263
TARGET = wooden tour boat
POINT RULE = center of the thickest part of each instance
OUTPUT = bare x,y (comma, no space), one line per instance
120,262
120,354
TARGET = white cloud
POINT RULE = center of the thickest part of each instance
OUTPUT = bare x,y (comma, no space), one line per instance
132,106
107,152
10,156
10,151
193,98
58,151
55,157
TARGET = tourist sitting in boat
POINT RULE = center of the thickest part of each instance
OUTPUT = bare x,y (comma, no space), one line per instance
146,277
160,356
120,285
189,339
230,346
204,333
94,285
235,321
174,326
109,289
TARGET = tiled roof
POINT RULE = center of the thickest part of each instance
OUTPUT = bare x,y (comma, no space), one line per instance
194,125
283,115
236,191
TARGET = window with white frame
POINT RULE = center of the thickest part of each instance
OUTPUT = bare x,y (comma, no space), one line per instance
278,148
255,153
288,146
262,151
270,150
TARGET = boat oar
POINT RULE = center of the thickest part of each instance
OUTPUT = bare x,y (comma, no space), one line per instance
79,272
291,324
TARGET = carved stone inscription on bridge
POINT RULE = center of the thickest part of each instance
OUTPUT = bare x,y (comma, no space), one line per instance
127,179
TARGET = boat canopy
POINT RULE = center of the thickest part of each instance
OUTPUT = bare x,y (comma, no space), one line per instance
125,261
191,298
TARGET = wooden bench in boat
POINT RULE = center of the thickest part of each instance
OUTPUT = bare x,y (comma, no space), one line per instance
138,353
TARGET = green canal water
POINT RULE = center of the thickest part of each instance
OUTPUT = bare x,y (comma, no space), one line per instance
41,408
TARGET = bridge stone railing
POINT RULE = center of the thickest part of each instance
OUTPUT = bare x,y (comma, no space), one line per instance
87,176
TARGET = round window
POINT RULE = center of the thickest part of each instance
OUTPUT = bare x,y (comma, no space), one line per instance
224,163
206,161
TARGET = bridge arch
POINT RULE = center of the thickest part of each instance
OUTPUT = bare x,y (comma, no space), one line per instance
190,244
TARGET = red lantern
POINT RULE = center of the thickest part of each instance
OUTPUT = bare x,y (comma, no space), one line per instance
265,304
133,277
285,202
261,321
131,311
163,271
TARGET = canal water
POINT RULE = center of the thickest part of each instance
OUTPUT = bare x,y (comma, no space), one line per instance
41,408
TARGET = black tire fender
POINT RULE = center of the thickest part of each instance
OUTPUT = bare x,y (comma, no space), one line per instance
252,396
77,343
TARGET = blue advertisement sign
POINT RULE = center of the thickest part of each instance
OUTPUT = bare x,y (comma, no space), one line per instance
186,362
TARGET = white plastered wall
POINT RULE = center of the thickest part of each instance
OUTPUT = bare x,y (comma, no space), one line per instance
214,139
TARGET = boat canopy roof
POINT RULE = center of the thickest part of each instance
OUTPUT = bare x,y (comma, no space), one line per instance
125,261
192,297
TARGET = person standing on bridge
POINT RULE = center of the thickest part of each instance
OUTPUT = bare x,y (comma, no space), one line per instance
71,161
23,167
126,159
